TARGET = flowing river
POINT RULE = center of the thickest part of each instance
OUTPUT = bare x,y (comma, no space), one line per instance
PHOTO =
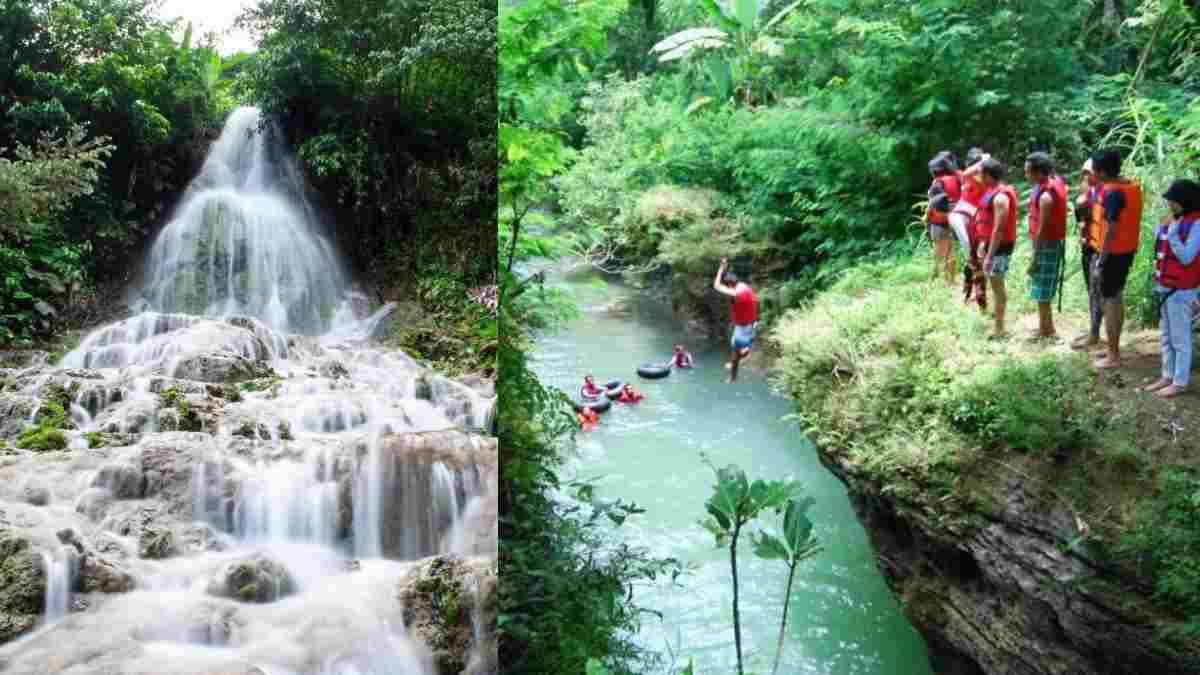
842,619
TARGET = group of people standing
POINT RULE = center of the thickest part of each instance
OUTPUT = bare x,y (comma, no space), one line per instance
975,206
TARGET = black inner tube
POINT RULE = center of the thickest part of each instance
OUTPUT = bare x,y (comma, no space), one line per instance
614,389
598,405
653,371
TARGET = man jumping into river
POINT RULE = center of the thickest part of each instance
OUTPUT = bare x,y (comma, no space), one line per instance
745,315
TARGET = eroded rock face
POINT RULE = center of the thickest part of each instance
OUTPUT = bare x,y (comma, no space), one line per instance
22,585
1007,599
448,601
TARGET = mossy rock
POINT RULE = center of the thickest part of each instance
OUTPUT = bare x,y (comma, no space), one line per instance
42,439
22,586
54,415
156,544
256,579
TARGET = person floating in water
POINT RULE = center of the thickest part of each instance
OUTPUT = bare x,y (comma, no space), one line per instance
589,388
745,315
682,358
588,419
629,395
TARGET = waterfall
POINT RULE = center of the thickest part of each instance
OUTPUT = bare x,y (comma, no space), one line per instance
58,584
264,476
244,240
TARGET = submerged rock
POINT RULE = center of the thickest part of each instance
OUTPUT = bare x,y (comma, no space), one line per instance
254,579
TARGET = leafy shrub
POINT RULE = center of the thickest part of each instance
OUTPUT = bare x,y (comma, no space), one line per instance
1163,543
1040,405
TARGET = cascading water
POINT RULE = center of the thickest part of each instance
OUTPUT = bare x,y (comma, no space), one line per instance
248,478
244,240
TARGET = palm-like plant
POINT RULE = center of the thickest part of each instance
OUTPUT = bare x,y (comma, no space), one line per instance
733,50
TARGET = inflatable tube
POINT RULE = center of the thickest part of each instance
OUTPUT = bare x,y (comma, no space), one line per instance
653,371
598,405
614,389
611,384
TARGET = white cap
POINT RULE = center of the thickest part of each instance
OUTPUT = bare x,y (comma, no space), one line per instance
1087,166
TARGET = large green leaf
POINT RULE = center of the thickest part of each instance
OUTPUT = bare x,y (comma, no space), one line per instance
768,547
746,13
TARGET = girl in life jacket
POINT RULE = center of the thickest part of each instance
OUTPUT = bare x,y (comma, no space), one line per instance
943,195
1176,280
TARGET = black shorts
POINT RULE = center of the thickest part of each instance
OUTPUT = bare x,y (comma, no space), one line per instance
1114,274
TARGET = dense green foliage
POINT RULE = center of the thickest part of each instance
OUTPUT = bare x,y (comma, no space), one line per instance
897,378
145,102
565,602
565,597
392,108
809,124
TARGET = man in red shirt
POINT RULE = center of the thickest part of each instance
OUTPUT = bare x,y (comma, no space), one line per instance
745,315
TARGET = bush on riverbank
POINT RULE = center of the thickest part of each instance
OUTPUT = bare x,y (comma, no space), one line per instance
897,377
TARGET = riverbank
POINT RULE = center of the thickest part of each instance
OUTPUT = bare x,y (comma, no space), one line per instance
1032,515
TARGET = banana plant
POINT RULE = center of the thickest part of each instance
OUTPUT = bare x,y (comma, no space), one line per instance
732,50
735,502
795,544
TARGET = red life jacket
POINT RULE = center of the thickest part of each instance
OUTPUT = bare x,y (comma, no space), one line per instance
1168,270
1056,225
972,190
745,306
985,218
952,186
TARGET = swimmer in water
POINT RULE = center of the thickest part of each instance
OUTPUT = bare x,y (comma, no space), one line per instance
629,395
682,358
589,388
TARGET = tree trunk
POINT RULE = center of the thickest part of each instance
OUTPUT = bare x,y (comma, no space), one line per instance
737,619
787,599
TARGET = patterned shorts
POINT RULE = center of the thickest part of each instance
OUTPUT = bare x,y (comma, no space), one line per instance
1047,265
999,267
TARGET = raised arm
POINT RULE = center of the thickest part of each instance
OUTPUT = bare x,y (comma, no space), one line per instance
975,168
717,285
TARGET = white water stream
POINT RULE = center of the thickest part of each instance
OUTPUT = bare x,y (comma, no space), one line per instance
248,424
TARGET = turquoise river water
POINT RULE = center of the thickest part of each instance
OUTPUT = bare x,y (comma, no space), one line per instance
843,620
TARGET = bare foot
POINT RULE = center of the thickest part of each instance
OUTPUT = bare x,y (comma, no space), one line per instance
1169,392
1156,385
1084,341
1107,363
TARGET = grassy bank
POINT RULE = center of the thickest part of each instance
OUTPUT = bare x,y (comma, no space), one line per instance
895,376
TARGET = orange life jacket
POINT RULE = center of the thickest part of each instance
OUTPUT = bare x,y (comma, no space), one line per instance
1129,223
